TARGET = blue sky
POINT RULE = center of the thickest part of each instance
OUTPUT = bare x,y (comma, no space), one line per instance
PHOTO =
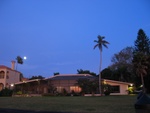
58,35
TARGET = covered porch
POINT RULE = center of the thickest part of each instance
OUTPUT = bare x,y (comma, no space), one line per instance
36,86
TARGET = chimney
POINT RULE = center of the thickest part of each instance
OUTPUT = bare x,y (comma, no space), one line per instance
13,65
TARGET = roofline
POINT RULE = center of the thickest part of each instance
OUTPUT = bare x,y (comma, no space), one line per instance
67,75
73,75
114,81
5,67
28,81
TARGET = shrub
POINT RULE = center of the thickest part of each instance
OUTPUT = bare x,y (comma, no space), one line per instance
6,92
107,89
64,92
107,93
19,93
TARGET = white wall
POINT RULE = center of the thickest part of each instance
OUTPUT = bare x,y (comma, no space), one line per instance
123,87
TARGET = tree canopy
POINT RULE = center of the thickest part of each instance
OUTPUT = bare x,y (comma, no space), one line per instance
141,56
81,71
121,68
142,43
19,60
36,77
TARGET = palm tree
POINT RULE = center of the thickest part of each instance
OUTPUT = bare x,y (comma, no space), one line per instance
100,43
19,61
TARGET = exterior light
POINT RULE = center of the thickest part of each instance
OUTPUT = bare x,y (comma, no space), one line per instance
141,86
131,85
105,82
11,85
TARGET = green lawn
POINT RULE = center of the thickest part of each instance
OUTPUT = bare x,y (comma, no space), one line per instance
105,104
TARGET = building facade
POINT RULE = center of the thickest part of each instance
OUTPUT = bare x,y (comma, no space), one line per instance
8,76
69,82
59,83
118,87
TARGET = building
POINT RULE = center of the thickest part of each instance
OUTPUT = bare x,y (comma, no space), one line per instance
118,87
8,76
69,82
59,83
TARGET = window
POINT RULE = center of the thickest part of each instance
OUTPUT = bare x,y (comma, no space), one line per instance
7,77
115,89
59,89
2,73
76,89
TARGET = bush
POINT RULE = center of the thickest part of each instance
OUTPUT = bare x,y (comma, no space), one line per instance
107,89
19,93
107,93
6,92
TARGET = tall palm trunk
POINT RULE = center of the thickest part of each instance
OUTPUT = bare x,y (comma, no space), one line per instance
100,84
100,42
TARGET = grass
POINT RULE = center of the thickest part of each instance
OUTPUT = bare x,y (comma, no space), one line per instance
105,104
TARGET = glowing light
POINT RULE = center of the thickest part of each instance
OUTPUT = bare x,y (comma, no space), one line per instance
105,82
24,57
12,85
131,85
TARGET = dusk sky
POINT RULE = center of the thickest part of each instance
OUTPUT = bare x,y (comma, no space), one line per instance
58,35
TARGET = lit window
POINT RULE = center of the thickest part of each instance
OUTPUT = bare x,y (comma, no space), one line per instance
76,89
59,89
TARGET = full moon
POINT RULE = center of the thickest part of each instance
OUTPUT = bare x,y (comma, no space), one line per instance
24,57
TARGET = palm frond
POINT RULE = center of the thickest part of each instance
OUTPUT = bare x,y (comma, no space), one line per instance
95,41
19,60
105,45
95,46
101,42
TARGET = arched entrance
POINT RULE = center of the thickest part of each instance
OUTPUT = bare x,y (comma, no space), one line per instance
1,86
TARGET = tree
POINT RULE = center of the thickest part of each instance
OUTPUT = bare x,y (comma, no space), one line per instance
51,88
81,71
56,73
84,85
122,66
142,43
19,61
100,43
140,64
141,57
123,57
87,85
107,74
36,77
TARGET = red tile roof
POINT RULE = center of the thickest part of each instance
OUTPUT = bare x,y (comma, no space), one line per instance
5,67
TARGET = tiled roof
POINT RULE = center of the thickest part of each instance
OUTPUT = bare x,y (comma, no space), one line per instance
2,66
72,77
5,67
